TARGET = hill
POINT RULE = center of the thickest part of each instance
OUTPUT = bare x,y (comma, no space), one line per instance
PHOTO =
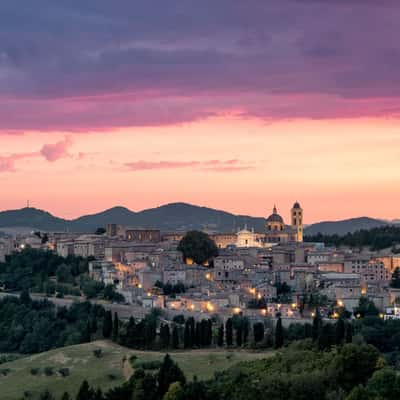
168,217
32,218
107,371
345,226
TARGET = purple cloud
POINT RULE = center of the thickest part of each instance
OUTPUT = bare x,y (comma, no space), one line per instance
147,63
53,152
209,165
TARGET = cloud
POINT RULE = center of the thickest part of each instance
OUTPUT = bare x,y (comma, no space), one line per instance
209,165
53,152
148,64
50,152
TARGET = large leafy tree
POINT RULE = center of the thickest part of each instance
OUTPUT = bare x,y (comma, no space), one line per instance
198,246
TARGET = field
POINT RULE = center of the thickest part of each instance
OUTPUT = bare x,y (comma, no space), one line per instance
31,375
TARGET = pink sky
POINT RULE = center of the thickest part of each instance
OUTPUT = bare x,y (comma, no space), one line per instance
335,168
232,105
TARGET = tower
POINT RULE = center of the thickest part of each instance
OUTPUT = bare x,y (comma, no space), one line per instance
297,221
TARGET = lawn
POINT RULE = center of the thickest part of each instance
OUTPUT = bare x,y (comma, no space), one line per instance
32,374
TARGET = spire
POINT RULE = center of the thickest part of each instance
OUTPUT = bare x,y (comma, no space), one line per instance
274,211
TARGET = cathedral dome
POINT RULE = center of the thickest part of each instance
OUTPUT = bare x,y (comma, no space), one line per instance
275,217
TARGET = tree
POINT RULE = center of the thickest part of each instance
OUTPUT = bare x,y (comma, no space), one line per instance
198,246
187,336
165,335
349,333
245,330
365,308
395,282
85,391
86,333
115,328
25,297
66,396
175,392
46,395
258,331
326,338
239,336
229,332
278,334
385,384
175,337
220,341
169,373
317,325
340,331
107,324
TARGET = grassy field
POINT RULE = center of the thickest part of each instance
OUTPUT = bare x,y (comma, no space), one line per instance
28,375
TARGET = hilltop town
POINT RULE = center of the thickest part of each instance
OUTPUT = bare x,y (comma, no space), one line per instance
254,274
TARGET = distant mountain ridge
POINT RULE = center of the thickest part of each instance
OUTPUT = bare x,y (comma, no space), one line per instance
346,226
169,217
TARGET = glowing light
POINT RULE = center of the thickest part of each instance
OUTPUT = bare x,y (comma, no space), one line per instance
252,291
192,307
236,310
259,296
139,286
264,312
381,315
208,276
313,314
294,305
340,303
210,307
363,291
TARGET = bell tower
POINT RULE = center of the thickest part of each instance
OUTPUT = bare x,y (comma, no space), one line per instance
297,221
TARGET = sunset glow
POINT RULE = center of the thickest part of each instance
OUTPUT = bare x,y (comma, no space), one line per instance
236,115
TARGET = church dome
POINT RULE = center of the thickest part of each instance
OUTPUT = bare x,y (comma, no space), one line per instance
275,217
296,205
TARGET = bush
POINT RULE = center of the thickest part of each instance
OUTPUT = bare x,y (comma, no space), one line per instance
112,377
98,353
48,371
35,371
64,372
5,371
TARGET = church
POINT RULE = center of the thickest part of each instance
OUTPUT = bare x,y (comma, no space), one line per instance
276,231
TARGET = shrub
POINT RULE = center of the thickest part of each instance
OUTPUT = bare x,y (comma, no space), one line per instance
63,372
98,353
48,371
35,371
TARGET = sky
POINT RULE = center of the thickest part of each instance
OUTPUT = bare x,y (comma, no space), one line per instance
235,105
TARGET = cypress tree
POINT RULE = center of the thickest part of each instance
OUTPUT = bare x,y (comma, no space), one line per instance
115,328
186,335
245,330
169,373
85,391
278,334
165,335
85,336
192,331
349,333
66,396
209,332
229,332
258,331
340,331
220,342
198,334
316,326
239,335
107,324
175,337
